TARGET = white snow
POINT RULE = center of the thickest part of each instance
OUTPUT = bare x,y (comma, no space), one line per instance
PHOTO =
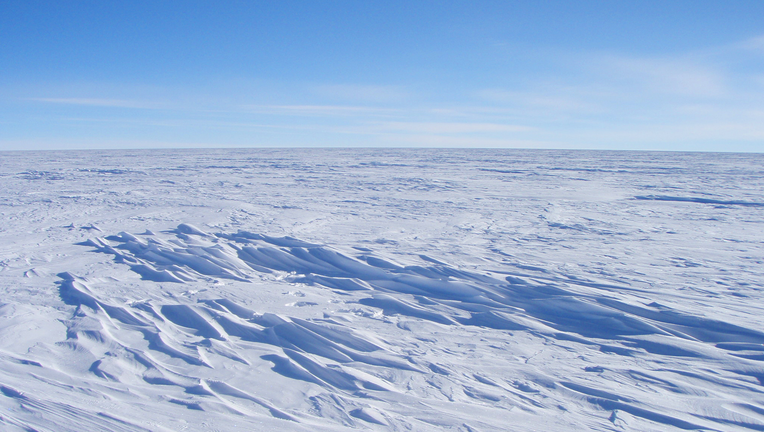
426,290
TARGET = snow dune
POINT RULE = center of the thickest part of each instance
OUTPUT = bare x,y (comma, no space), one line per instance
418,290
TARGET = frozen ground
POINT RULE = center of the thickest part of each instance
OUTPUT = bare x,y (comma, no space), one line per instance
422,290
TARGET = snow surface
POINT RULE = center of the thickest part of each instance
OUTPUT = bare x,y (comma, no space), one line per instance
422,290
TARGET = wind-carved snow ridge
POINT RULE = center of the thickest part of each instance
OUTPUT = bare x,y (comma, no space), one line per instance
196,348
519,302
700,200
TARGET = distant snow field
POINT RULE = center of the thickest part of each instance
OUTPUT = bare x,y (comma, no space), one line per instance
389,290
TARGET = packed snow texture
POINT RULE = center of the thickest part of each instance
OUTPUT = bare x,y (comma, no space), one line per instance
422,290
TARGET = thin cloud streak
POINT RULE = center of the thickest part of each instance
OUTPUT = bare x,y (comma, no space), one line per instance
426,140
313,110
665,76
185,123
451,127
374,94
114,103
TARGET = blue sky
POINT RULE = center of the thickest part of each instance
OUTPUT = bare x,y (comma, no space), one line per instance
679,75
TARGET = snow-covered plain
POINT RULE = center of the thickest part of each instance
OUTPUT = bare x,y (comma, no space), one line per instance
422,290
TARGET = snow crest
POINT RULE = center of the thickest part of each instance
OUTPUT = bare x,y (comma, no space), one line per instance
328,354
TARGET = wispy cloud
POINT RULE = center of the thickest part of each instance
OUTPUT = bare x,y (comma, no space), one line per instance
100,143
555,99
593,100
451,127
673,76
375,94
425,140
317,110
755,44
115,103
643,102
691,135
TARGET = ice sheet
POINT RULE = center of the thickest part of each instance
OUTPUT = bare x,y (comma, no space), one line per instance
470,290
